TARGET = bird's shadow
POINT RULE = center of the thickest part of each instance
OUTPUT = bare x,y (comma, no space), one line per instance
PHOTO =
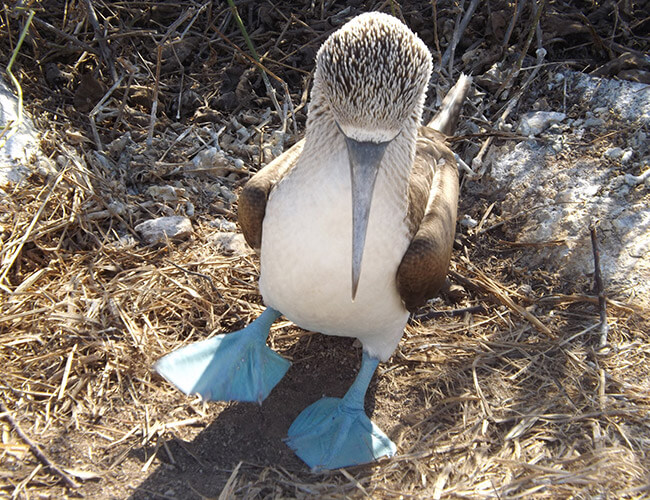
254,434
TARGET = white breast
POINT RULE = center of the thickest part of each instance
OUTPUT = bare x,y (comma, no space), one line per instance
307,245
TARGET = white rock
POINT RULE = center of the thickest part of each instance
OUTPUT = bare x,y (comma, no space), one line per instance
635,180
21,142
163,228
626,100
627,156
614,153
223,224
231,243
212,159
467,221
532,124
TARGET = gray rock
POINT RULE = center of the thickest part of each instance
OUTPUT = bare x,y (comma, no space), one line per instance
162,229
164,193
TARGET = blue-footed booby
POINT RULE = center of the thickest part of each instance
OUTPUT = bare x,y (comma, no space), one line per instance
354,226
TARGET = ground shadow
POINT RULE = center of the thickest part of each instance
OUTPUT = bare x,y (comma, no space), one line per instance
254,434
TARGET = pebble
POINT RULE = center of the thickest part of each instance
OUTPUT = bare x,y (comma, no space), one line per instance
231,243
635,180
163,193
212,159
627,156
614,153
593,122
227,194
163,228
532,124
467,221
223,224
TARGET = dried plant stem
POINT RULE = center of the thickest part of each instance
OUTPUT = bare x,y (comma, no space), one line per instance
269,88
448,56
72,39
101,39
602,300
98,108
9,261
533,29
156,89
35,449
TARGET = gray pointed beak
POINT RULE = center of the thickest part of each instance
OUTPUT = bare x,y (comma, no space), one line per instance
365,158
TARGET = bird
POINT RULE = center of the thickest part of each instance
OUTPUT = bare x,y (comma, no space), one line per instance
354,226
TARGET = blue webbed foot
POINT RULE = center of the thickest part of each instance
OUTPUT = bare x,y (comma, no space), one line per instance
236,366
334,433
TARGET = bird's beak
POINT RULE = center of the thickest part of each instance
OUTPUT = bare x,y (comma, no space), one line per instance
365,158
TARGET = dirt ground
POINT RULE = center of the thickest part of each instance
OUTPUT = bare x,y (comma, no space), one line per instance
500,388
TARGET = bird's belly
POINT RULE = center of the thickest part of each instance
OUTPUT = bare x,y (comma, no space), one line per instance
306,262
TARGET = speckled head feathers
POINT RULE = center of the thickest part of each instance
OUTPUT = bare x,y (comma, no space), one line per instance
373,72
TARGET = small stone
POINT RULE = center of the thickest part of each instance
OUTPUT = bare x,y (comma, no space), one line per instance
467,221
593,122
211,160
614,153
635,180
227,194
231,243
627,156
223,224
532,124
116,208
163,193
159,230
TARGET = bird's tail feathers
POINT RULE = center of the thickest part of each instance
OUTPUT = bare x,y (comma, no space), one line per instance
447,116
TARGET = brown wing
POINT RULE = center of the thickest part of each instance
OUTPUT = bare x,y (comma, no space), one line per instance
433,197
252,200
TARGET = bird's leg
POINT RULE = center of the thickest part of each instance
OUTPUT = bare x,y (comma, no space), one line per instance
236,366
334,433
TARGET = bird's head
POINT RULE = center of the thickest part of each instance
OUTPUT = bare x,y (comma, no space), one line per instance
372,74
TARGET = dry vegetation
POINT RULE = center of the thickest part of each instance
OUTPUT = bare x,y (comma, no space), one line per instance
514,397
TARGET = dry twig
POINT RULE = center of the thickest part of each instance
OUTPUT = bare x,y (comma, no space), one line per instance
35,449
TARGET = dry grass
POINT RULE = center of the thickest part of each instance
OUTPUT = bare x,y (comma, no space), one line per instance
518,400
